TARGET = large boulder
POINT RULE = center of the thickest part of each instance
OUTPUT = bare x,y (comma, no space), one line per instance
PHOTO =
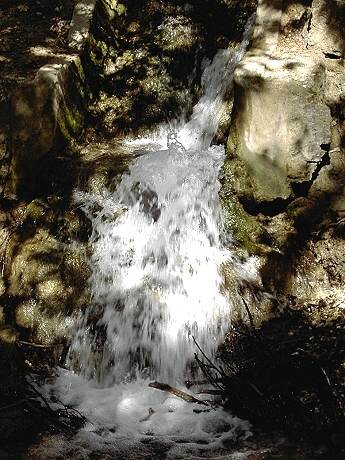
281,128
46,113
46,284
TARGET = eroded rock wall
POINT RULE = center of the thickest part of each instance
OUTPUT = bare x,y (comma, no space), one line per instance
284,172
146,56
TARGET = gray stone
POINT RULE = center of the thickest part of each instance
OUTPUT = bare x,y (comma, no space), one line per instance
267,25
327,27
45,112
283,122
80,24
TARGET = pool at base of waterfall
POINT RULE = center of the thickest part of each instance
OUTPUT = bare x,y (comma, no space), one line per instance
132,420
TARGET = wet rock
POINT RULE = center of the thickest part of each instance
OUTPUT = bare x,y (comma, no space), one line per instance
176,33
319,274
8,335
286,147
142,52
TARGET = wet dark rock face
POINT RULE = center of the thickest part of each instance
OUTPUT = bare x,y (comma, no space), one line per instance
147,56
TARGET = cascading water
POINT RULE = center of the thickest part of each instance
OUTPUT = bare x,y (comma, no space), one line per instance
156,283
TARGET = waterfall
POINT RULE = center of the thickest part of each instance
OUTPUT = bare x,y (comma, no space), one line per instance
157,248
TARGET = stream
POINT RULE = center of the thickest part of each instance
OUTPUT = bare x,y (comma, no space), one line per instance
158,247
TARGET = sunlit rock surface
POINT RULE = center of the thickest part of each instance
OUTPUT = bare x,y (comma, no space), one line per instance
284,169
283,122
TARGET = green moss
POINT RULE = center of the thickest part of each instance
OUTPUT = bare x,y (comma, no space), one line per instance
80,70
237,178
8,335
2,316
232,143
120,9
113,8
97,51
178,34
71,122
243,227
38,211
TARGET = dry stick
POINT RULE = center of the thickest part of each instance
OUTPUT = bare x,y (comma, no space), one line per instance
210,392
180,394
193,383
256,389
206,366
40,396
190,383
73,410
206,373
36,345
55,421
145,419
207,359
248,312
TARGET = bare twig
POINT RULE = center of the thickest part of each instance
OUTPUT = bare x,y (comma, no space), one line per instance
210,392
207,358
206,371
36,345
40,396
176,392
248,312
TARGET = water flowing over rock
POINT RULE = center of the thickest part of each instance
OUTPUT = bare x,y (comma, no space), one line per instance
164,193
157,249
158,246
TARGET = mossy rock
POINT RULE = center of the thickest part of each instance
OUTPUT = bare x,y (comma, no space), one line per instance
47,283
244,228
241,226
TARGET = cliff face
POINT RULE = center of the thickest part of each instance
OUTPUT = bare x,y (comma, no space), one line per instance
284,199
284,169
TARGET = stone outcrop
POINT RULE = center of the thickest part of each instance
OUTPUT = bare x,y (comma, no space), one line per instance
43,278
134,69
46,113
80,24
284,171
283,123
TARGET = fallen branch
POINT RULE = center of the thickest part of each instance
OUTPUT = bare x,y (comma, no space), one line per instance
248,312
179,393
145,419
35,345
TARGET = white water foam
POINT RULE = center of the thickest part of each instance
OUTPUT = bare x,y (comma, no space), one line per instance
157,251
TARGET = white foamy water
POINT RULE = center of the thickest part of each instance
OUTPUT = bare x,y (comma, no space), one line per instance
157,250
